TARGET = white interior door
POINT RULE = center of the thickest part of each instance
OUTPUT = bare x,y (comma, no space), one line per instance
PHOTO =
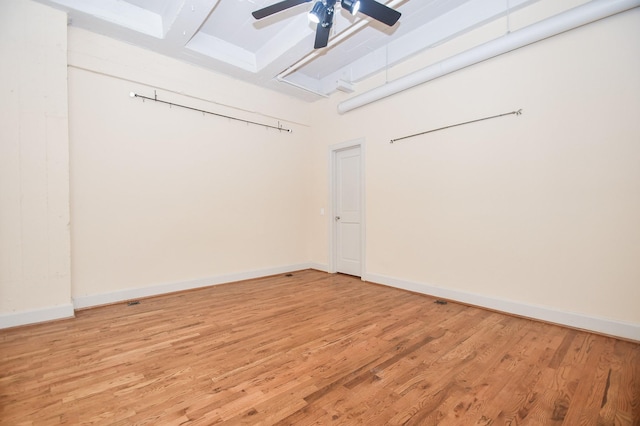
348,211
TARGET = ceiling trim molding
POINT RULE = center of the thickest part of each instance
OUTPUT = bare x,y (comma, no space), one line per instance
120,13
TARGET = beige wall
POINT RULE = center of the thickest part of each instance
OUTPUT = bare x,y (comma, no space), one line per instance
34,169
541,209
167,195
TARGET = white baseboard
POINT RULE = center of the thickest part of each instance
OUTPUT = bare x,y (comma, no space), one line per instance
599,325
318,267
33,316
92,300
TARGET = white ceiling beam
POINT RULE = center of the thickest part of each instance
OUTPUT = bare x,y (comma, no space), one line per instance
120,13
182,22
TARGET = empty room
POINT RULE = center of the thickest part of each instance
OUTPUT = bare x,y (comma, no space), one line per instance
311,212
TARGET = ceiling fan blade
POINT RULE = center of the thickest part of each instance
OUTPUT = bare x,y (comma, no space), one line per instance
379,12
276,7
322,36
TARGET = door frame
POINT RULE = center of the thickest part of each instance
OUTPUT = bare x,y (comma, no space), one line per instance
332,225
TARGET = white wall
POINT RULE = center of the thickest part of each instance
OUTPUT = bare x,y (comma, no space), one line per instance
537,214
34,170
165,198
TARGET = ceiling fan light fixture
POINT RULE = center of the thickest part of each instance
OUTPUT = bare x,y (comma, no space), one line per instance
317,12
352,6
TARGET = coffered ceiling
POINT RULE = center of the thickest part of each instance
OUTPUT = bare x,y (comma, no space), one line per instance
277,52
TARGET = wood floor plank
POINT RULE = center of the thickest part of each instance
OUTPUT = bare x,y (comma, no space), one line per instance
312,349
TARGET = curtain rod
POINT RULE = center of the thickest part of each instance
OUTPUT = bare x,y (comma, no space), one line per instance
518,112
155,99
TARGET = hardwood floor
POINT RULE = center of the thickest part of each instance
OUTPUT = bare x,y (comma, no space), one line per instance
312,348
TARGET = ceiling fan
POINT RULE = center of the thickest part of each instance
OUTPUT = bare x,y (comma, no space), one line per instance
323,11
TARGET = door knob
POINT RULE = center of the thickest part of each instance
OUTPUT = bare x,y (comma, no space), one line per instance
337,218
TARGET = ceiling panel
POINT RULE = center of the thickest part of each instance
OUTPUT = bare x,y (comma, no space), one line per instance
244,31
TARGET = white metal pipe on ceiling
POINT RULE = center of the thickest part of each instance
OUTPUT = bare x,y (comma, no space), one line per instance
565,21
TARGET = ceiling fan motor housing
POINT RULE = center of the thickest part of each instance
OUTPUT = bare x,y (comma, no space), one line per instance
327,19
